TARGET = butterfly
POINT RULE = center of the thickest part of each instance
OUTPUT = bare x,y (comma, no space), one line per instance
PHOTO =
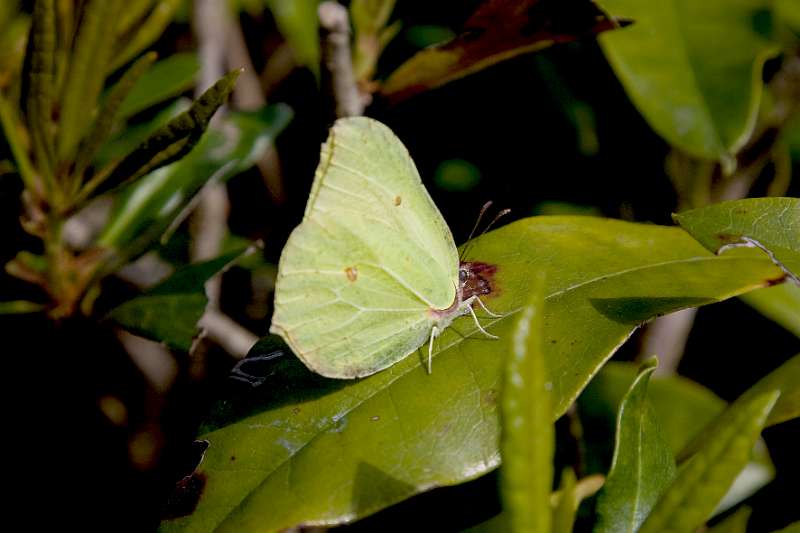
372,272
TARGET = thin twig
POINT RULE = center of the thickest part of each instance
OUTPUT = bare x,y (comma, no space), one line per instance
337,60
209,222
232,337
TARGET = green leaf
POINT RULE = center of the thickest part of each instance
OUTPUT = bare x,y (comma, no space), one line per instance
706,477
146,209
311,450
527,436
19,307
369,18
496,31
168,78
693,69
774,223
298,23
134,134
109,112
87,73
12,134
146,32
735,523
780,303
794,527
170,142
39,98
788,12
564,513
169,312
643,464
683,408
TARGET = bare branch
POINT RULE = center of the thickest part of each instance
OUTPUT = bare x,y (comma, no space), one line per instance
337,60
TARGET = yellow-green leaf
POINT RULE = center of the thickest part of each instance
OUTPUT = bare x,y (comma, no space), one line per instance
527,435
705,478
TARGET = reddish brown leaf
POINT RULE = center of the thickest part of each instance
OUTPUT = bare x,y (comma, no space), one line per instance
498,30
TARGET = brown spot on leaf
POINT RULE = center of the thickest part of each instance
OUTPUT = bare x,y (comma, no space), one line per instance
352,273
397,200
184,497
489,397
295,410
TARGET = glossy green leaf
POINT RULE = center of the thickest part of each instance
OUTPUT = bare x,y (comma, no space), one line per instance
170,142
109,112
564,513
527,439
169,312
735,523
303,449
693,69
168,78
498,30
705,478
781,304
643,464
87,72
773,222
147,208
297,21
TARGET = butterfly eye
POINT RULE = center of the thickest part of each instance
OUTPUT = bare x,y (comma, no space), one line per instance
462,276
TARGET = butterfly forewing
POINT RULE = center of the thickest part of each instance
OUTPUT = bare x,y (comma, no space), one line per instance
371,257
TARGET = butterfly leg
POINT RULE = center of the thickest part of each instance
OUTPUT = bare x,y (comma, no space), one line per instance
486,309
434,333
478,324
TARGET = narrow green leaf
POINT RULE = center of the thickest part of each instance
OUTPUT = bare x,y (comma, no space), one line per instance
168,78
87,73
735,523
564,513
146,208
773,223
693,69
785,379
169,312
683,408
39,98
780,303
527,437
369,19
107,115
18,307
794,527
643,464
147,32
298,23
134,12
132,135
170,142
11,130
706,477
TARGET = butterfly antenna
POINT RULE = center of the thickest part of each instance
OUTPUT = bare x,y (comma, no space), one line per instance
485,207
500,215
